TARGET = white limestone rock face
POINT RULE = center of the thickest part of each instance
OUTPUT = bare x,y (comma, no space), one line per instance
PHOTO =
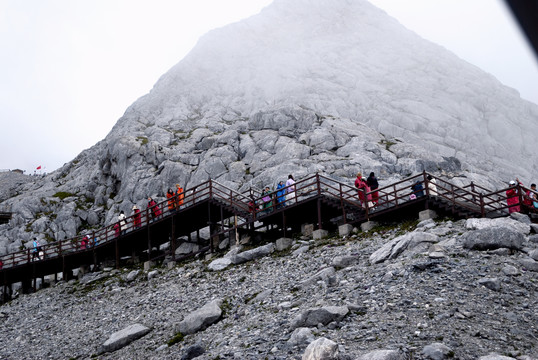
351,90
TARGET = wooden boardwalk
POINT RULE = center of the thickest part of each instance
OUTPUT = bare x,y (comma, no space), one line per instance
227,213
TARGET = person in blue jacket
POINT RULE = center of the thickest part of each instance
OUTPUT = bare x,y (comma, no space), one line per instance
280,195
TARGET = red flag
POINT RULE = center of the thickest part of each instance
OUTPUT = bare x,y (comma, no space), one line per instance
39,167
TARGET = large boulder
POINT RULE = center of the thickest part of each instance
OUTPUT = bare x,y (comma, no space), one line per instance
256,253
414,242
201,318
492,238
506,222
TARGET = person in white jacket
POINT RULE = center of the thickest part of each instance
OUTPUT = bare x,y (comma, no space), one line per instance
290,184
123,223
432,186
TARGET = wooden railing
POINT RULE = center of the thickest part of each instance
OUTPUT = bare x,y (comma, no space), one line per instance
91,239
249,207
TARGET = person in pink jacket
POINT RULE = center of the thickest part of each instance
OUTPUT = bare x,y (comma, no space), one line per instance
360,184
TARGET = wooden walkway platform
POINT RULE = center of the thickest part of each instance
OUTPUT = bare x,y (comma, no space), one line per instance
317,200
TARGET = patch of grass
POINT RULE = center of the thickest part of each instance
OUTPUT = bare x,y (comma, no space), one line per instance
63,194
177,338
226,307
143,140
250,297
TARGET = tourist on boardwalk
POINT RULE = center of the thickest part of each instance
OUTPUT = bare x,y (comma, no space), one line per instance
122,222
528,198
534,196
418,189
180,196
432,186
280,195
362,187
37,249
266,198
83,243
290,191
172,201
154,211
373,184
252,208
116,228
137,217
512,197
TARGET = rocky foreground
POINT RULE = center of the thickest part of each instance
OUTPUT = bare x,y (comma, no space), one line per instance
432,290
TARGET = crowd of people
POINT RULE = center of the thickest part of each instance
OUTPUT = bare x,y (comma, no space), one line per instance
368,196
518,199
529,198
274,199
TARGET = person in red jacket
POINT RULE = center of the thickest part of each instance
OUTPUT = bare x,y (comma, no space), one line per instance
154,210
512,197
137,217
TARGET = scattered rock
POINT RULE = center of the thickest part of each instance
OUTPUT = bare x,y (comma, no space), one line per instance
341,262
256,253
321,349
124,337
300,336
201,318
491,283
437,351
193,351
283,244
219,264
382,355
493,238
323,315
132,275
326,275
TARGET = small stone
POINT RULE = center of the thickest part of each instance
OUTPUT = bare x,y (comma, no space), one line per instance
437,351
491,283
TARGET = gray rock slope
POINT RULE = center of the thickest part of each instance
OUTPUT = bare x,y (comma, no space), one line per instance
305,86
432,299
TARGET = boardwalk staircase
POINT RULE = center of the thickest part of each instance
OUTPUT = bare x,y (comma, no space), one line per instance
227,214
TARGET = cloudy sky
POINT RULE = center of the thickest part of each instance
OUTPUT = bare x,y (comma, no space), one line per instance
70,68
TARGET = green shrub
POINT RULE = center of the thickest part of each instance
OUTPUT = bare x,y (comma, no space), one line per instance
176,339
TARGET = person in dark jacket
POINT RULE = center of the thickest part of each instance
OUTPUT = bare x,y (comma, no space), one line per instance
418,189
373,184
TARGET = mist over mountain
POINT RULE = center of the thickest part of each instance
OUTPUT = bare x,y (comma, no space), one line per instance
305,86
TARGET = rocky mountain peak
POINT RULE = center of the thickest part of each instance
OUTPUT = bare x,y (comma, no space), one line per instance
302,87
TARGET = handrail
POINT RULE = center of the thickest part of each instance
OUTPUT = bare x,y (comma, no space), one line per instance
250,206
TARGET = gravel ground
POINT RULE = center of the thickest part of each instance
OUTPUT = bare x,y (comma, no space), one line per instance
473,302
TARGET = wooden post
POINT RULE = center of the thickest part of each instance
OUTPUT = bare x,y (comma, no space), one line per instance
342,204
319,213
149,243
482,206
173,240
284,226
